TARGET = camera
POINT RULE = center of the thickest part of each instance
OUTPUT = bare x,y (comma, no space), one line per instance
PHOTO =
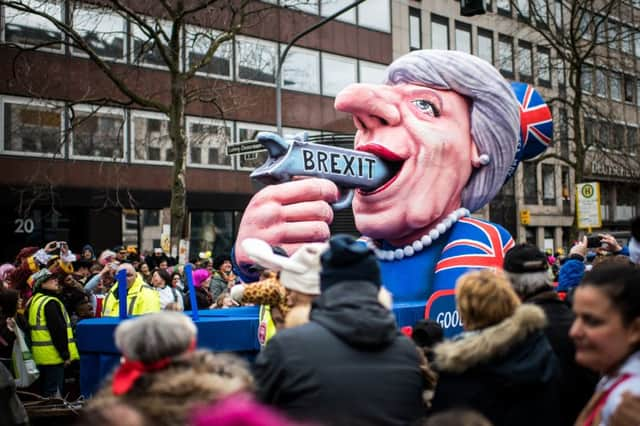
594,241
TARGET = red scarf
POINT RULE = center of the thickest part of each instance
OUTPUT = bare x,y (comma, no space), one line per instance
130,371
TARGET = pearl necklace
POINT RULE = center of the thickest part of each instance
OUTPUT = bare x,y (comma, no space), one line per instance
421,244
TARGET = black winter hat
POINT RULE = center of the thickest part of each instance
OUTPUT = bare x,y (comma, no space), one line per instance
348,260
525,258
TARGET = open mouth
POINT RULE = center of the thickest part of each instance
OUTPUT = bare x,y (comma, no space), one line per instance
392,160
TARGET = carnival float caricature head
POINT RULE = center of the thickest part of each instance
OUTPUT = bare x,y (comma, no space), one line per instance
450,122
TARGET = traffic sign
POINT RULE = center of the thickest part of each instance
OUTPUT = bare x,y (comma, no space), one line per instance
588,205
525,217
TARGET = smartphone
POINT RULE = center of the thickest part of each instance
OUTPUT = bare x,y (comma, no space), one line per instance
593,241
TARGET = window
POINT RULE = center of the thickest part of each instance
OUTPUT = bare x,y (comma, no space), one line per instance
248,132
558,14
439,32
632,140
308,6
485,45
145,42
616,86
637,43
463,37
638,91
372,73
105,32
586,78
629,87
540,12
198,41
212,231
589,132
301,70
530,182
97,132
626,203
627,39
604,134
618,137
523,9
328,8
583,25
32,127
257,60
151,140
505,55
600,28
27,28
548,185
337,73
415,28
208,141
601,82
504,7
544,62
613,34
375,14
525,63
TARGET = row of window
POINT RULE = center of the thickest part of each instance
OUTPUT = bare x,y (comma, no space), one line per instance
245,58
611,135
613,85
547,190
86,132
484,48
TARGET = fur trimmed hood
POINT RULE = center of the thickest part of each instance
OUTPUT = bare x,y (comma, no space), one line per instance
483,346
169,396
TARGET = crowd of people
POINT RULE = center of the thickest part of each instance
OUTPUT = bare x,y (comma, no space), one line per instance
535,349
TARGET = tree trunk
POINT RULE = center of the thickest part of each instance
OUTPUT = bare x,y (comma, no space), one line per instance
179,176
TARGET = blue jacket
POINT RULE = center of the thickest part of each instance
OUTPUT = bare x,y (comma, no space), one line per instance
570,274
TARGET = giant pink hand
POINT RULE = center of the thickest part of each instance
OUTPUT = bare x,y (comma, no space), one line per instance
288,215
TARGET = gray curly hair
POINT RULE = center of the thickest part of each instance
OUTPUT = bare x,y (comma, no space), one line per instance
495,113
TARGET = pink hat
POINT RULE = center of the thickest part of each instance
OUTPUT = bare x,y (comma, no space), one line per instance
199,275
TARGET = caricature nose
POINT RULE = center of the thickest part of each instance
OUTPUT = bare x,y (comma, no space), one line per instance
371,105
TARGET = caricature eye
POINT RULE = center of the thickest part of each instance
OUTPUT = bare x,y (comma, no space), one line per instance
426,107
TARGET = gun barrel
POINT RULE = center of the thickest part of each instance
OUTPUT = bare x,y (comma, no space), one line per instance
347,168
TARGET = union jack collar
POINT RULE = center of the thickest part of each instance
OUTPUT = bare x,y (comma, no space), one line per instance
421,244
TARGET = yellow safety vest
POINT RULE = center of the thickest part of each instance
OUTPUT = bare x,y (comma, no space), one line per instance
44,353
141,299
266,327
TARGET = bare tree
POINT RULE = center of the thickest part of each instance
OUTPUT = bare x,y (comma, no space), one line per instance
175,36
590,44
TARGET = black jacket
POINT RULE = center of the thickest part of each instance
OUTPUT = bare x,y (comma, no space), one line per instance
508,372
576,383
348,366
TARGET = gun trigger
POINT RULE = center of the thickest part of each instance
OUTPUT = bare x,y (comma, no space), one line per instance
344,201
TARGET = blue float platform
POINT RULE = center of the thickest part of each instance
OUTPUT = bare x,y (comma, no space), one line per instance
220,330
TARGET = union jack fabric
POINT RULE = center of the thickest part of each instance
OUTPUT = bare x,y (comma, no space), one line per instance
536,125
473,244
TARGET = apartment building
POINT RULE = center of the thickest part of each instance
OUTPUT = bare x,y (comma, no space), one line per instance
543,191
76,172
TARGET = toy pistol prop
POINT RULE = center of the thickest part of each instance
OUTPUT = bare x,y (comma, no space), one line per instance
347,168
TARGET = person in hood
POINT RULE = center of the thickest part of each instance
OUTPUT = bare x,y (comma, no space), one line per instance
349,365
502,365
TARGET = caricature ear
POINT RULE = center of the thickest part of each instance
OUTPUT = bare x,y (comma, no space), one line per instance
476,162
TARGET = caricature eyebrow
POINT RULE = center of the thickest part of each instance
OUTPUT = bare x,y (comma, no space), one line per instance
430,93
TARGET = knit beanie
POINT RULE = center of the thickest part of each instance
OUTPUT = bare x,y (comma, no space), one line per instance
199,276
525,258
149,338
348,260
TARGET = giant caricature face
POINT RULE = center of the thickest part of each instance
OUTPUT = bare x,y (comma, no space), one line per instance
427,132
